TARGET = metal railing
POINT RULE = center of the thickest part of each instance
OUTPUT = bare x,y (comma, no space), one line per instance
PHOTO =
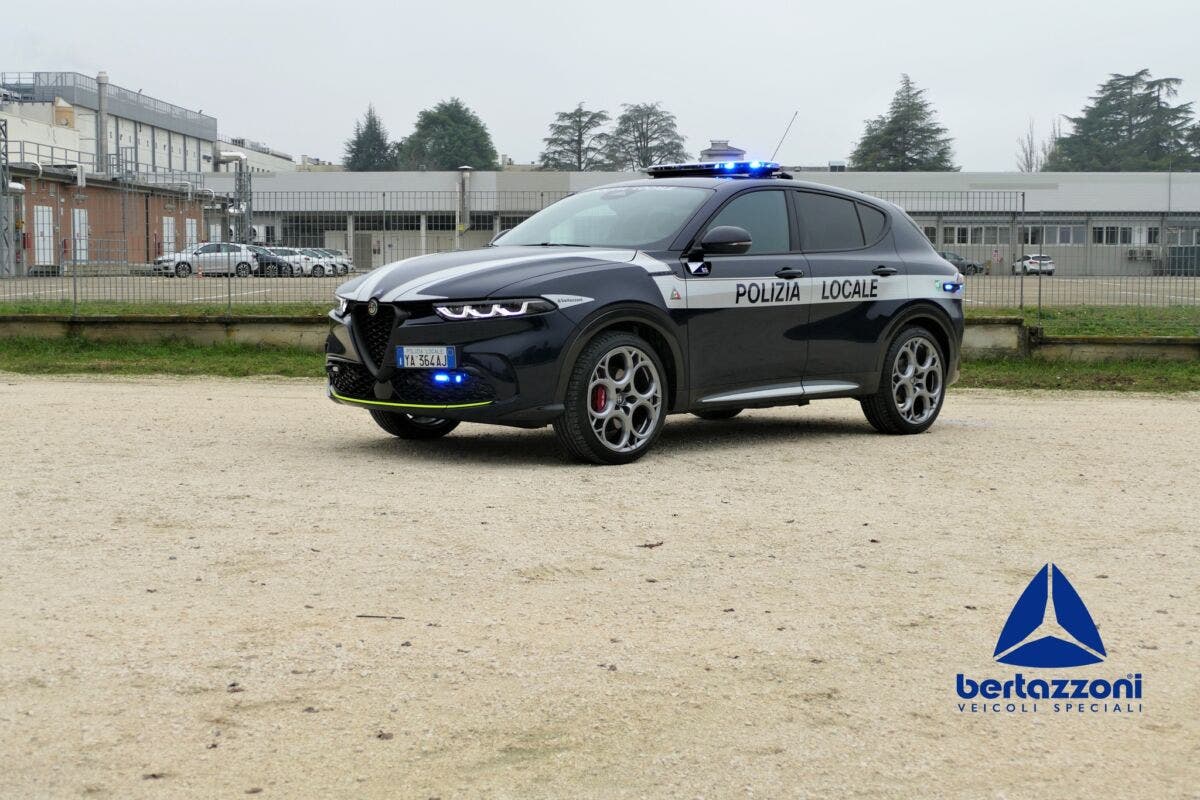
83,251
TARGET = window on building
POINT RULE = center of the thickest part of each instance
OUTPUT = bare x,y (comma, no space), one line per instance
482,220
439,222
1112,234
1152,235
930,233
510,221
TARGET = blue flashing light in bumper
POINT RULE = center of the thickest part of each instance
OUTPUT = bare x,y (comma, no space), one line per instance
449,377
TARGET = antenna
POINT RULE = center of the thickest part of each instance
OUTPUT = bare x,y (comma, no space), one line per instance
785,133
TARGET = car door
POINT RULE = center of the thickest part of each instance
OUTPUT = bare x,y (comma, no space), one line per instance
746,329
205,258
859,283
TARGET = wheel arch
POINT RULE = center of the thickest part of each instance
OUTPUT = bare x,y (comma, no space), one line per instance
641,320
930,316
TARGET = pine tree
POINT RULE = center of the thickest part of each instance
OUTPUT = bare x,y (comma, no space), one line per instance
576,141
645,135
368,149
908,138
446,137
1129,125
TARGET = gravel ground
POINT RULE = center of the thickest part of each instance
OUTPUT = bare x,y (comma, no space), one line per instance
211,588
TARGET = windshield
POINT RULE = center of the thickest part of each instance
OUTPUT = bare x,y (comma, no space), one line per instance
262,251
621,216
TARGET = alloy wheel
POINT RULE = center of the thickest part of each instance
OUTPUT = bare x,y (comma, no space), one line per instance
624,399
917,380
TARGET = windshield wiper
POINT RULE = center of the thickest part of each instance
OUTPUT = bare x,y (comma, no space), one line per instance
561,244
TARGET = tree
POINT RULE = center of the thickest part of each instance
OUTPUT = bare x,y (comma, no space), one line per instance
1032,154
908,138
368,149
645,134
576,141
1130,124
446,137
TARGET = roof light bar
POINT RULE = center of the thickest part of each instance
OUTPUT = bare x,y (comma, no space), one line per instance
715,169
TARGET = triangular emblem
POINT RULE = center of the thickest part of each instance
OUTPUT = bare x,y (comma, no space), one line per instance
1049,626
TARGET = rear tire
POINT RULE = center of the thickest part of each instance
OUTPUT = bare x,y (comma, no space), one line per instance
616,401
408,426
242,270
318,271
718,414
912,385
271,271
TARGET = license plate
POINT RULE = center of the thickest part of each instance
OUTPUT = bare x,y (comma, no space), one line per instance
425,357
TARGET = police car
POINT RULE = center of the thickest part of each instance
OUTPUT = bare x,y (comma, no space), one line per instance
703,289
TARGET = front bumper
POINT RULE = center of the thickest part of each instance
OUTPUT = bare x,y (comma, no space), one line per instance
510,366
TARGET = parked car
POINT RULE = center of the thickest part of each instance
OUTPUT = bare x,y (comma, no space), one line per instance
339,258
214,258
269,265
1034,264
685,300
321,264
301,264
964,265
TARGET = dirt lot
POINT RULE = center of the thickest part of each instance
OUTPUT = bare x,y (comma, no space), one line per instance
212,588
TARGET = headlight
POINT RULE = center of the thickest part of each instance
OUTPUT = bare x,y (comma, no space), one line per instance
494,309
342,305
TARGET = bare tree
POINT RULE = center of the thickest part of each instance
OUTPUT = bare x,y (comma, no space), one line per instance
1029,153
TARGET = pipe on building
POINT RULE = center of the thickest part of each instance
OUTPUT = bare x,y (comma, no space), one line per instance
102,123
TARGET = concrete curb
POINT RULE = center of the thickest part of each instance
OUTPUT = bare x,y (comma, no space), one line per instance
984,337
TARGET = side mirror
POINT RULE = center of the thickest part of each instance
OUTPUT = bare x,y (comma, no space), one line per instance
727,240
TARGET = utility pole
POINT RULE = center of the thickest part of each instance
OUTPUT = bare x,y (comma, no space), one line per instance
7,198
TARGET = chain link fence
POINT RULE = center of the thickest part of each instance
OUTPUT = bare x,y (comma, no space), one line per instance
120,244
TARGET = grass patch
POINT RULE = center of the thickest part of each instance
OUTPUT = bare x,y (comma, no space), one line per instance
65,356
188,310
74,355
1105,320
1118,376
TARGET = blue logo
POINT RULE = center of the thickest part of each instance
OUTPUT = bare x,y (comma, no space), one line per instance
1049,626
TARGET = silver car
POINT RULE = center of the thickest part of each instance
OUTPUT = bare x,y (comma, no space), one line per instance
214,258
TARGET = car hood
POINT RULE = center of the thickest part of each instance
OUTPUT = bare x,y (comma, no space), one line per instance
471,274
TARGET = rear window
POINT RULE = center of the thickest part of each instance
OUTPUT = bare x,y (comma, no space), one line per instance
873,222
827,222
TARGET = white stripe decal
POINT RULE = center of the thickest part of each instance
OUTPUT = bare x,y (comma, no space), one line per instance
414,289
754,292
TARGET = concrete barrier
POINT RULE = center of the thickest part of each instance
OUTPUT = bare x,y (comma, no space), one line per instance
1116,348
304,331
984,337
994,337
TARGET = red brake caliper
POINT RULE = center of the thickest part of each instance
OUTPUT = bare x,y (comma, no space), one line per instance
599,398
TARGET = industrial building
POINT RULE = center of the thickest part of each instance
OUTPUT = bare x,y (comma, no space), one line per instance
1090,223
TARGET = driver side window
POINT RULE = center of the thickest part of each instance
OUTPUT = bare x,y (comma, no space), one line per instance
764,215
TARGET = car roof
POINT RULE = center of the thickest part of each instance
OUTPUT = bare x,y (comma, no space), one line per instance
731,185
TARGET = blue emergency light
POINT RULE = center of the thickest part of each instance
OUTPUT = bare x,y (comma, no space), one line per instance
718,169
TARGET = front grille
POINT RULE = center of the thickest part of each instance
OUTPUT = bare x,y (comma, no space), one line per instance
374,332
418,386
351,380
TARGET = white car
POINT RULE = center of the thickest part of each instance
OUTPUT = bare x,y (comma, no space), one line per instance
340,260
321,264
302,264
1034,264
214,258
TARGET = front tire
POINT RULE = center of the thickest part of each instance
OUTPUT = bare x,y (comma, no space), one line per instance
318,271
616,401
912,385
409,426
718,414
183,269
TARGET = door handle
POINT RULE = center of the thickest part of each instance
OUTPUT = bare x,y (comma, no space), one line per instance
884,271
787,273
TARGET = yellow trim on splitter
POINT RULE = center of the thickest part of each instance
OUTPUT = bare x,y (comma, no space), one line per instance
406,405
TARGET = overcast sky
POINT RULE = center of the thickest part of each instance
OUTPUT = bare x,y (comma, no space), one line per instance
296,75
